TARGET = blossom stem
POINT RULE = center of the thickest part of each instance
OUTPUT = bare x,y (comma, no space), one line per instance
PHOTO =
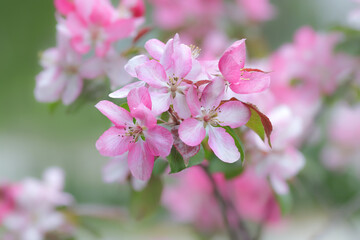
224,207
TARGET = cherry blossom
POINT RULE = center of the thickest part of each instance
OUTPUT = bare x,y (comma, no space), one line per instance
209,114
142,139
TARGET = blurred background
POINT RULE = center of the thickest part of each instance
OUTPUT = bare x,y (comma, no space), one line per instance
33,138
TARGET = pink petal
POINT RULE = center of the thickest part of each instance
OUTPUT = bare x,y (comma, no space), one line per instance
153,73
155,48
64,6
123,92
251,82
113,142
223,145
233,114
193,102
213,94
166,59
182,58
192,132
48,86
139,96
117,115
134,62
233,60
72,89
144,116
159,141
140,161
102,48
92,68
116,170
161,100
180,106
120,29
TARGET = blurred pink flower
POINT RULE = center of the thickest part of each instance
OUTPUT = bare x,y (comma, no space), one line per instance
191,199
64,72
96,23
344,134
256,10
35,202
143,139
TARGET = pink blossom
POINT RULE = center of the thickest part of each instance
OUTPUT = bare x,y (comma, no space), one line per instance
208,114
254,199
283,161
240,79
308,67
171,14
257,10
36,201
172,63
63,74
64,6
133,8
117,171
342,151
191,199
143,139
96,23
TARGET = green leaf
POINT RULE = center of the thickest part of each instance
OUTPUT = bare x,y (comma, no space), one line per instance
160,166
176,161
238,142
230,170
285,202
198,158
125,106
145,202
259,123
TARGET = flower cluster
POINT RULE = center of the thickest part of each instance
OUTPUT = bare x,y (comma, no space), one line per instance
185,95
28,209
87,33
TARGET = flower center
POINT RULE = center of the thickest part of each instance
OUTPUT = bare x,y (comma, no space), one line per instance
71,69
195,51
209,116
135,132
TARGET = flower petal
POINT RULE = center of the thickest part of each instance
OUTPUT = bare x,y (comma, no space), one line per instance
134,62
140,161
223,145
137,97
92,68
72,89
117,115
124,91
155,48
116,170
193,102
159,141
251,82
213,94
233,60
122,28
181,106
192,132
233,114
153,73
113,142
161,100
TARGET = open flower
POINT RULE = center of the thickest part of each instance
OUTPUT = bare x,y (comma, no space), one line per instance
142,138
208,113
240,79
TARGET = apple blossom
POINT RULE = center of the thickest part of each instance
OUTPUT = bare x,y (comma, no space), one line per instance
142,139
64,72
208,113
96,23
34,213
